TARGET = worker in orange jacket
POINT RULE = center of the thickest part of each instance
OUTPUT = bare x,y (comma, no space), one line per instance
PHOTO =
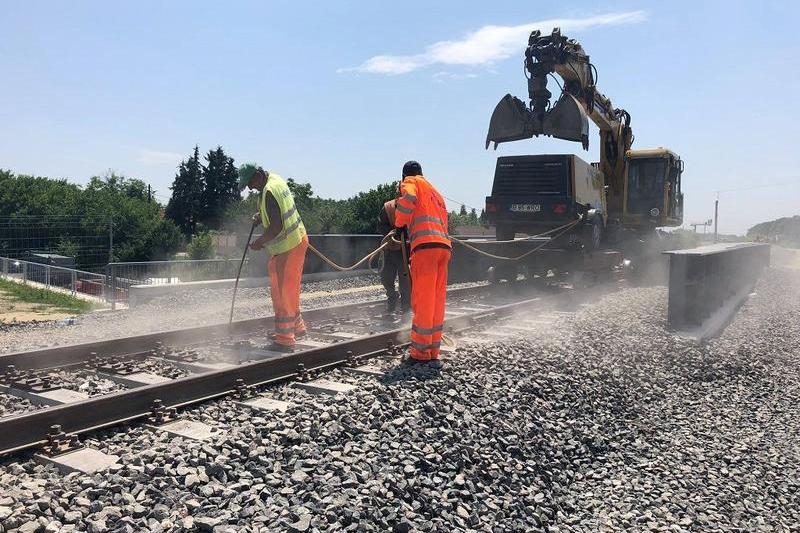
422,211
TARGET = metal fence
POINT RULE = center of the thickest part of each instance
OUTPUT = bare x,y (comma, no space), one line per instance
54,277
704,280
87,239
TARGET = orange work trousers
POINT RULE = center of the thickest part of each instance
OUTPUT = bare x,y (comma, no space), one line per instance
285,276
428,295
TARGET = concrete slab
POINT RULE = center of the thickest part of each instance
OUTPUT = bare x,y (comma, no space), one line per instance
137,379
324,386
188,429
49,398
470,309
85,460
197,368
367,370
263,403
305,344
474,340
346,335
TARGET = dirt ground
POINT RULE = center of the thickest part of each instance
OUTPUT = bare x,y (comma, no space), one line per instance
785,257
16,311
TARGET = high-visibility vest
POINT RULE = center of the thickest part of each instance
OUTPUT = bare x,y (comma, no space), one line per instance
293,228
423,211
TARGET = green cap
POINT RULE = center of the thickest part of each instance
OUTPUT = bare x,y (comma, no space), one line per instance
246,172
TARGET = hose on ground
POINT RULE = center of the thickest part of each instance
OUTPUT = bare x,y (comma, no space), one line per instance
384,243
564,229
389,239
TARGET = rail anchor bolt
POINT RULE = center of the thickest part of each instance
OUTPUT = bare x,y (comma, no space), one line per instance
59,443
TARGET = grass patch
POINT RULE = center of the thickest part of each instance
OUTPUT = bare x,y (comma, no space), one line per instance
34,295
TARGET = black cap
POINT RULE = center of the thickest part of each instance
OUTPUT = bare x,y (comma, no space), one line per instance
412,168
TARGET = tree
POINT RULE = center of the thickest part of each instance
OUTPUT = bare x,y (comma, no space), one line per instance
366,206
201,247
463,212
220,187
482,218
140,232
186,204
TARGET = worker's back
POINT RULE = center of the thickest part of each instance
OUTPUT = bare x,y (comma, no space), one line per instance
426,210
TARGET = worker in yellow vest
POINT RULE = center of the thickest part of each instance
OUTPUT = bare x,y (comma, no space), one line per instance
286,242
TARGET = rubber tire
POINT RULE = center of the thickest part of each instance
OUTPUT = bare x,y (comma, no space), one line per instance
593,235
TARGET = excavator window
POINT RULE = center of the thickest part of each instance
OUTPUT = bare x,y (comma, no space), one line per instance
646,185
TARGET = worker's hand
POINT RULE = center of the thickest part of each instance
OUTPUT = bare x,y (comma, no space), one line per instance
256,218
257,245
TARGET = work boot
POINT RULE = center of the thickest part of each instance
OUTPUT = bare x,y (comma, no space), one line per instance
435,364
410,361
277,347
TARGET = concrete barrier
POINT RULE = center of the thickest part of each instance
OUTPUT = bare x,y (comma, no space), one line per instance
141,294
707,285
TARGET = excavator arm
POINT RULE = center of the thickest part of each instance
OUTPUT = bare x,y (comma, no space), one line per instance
567,119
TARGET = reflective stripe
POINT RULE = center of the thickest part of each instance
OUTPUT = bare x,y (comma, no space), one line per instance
404,210
426,331
284,330
284,319
435,220
410,197
290,212
420,347
425,347
427,232
287,232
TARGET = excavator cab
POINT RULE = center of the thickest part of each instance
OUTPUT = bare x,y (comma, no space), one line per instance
653,196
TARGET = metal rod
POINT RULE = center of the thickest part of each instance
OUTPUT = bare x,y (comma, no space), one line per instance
239,273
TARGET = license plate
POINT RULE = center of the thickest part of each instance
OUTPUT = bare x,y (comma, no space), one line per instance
526,208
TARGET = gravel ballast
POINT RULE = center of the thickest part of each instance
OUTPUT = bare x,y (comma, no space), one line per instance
602,421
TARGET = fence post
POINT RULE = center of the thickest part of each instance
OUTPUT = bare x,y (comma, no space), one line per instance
113,287
74,281
47,275
24,272
5,266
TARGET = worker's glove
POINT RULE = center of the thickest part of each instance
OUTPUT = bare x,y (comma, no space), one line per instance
256,219
256,245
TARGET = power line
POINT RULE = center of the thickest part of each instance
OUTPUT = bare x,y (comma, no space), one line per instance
760,186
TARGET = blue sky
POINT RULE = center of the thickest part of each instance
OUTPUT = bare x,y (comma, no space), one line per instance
342,93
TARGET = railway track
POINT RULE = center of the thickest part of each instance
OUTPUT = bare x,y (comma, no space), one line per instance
154,375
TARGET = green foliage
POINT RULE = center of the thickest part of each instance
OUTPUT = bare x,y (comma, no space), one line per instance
201,246
784,231
185,206
26,293
140,233
357,214
365,207
220,187
462,218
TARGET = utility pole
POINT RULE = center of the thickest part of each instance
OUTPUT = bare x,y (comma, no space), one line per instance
716,216
149,195
110,240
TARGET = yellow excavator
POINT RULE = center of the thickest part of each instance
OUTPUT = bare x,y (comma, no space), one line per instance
628,191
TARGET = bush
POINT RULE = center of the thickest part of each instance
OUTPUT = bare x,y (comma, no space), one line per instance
201,247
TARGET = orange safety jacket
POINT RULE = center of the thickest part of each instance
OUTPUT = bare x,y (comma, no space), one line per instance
422,210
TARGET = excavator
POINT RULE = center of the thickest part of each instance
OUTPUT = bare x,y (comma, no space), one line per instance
625,196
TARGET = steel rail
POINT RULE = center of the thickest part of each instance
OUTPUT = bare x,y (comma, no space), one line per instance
72,354
29,430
